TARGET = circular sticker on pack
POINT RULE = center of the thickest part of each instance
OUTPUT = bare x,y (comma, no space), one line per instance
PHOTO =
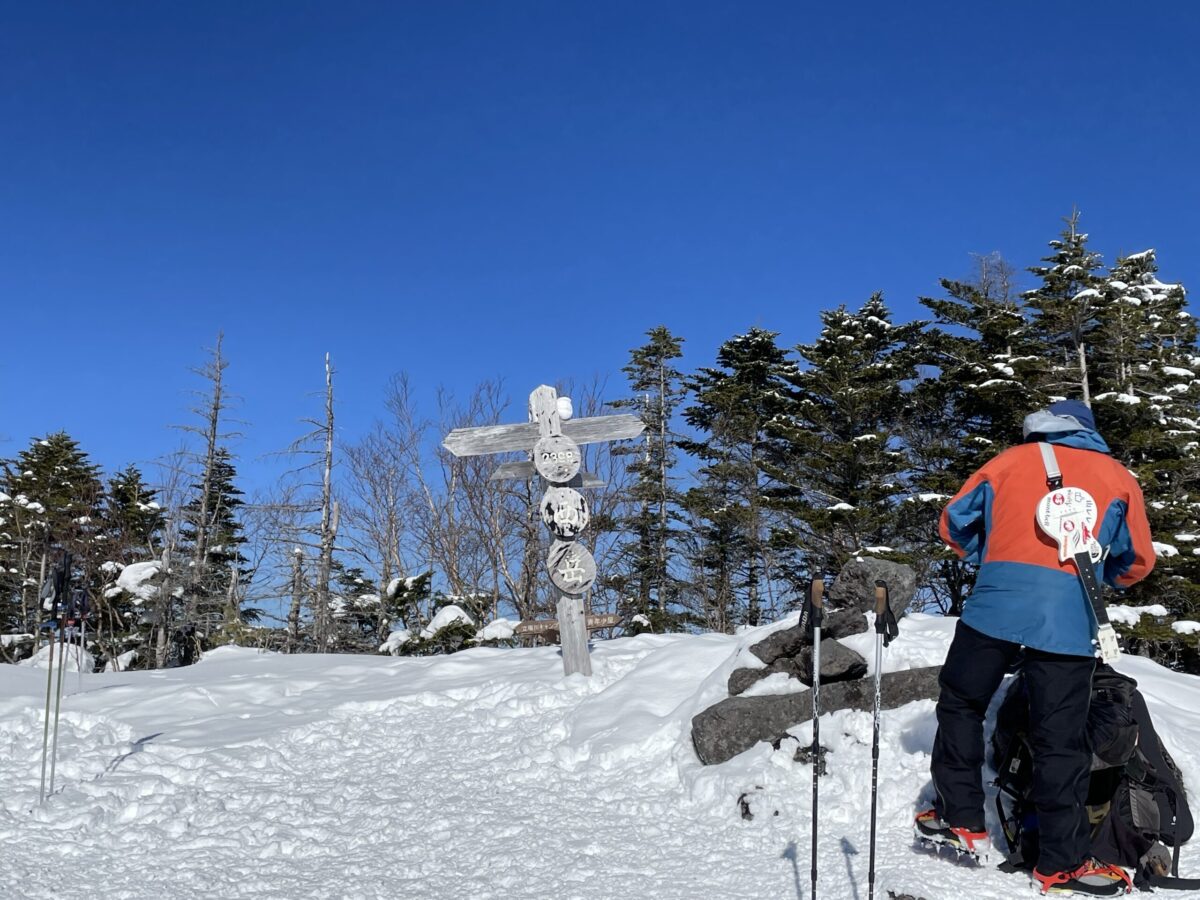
1068,517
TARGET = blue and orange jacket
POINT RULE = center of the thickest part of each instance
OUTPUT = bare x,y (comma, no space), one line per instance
1023,593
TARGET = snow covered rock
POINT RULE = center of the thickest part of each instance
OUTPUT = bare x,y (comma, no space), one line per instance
735,725
741,680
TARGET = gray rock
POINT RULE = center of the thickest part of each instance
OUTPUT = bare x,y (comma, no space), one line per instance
780,644
838,663
741,679
854,588
735,725
841,623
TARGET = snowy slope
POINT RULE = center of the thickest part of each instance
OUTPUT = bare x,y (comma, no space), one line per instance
482,774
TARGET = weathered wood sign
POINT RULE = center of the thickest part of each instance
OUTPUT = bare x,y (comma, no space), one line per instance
592,623
553,446
565,512
572,567
557,458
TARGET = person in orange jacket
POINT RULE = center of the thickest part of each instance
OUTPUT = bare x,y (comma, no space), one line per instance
1029,605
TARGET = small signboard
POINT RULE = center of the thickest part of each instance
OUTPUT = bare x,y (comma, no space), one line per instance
565,512
572,567
557,458
592,623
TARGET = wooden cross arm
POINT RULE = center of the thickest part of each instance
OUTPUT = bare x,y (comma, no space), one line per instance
519,469
507,438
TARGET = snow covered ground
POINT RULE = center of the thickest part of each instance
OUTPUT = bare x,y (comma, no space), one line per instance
482,774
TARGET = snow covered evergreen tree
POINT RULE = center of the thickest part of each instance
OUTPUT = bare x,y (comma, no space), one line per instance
216,594
133,519
1066,311
1148,393
53,504
837,461
645,577
981,362
732,406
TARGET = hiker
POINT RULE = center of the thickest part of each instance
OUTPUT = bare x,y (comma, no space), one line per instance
1027,604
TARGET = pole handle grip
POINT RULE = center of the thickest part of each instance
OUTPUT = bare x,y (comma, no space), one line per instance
881,600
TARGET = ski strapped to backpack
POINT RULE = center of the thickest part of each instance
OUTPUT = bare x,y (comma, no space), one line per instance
1068,515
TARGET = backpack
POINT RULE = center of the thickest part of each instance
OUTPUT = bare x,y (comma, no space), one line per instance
1136,798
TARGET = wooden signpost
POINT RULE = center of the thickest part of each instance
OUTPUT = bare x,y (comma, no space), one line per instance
553,446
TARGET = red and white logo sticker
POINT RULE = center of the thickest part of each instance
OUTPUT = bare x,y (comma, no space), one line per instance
1068,516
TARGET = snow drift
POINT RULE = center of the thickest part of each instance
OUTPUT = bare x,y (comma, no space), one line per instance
481,774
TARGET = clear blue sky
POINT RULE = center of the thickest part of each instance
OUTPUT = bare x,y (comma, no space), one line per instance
424,187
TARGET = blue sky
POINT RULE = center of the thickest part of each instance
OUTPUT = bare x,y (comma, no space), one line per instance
468,191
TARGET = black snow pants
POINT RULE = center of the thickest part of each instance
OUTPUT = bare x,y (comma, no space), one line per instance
1059,696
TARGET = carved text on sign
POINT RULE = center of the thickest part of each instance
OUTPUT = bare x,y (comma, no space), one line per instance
565,512
557,458
572,567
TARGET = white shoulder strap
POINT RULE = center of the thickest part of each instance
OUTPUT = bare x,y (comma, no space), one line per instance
1050,461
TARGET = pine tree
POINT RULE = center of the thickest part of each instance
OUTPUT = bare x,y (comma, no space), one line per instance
982,362
133,519
645,576
54,500
216,595
1146,371
1067,308
733,404
839,462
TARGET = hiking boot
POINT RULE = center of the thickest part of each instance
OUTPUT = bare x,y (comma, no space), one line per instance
1092,879
931,829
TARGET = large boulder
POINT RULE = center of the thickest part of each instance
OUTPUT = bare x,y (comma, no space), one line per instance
852,594
838,663
735,725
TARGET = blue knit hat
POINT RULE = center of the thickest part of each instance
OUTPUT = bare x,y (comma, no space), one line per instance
1075,410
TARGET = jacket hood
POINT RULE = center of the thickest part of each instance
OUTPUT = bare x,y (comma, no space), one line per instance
1063,430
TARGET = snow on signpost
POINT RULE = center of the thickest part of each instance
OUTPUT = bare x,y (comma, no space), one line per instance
553,446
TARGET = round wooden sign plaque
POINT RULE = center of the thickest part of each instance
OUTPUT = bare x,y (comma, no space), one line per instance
565,512
557,458
572,567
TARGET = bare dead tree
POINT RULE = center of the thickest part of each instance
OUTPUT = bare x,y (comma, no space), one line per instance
308,493
211,405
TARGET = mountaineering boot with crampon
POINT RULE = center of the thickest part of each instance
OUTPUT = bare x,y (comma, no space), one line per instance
931,829
1092,879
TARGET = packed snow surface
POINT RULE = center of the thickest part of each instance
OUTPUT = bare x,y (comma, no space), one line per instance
485,774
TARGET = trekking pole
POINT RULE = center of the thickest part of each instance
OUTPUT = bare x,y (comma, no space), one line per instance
62,674
885,631
52,591
815,591
46,726
82,645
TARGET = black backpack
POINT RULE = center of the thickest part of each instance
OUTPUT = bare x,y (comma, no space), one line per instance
1136,798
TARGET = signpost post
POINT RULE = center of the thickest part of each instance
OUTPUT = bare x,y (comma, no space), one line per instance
553,446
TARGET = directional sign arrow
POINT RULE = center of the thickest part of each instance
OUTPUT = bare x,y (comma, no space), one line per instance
506,438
